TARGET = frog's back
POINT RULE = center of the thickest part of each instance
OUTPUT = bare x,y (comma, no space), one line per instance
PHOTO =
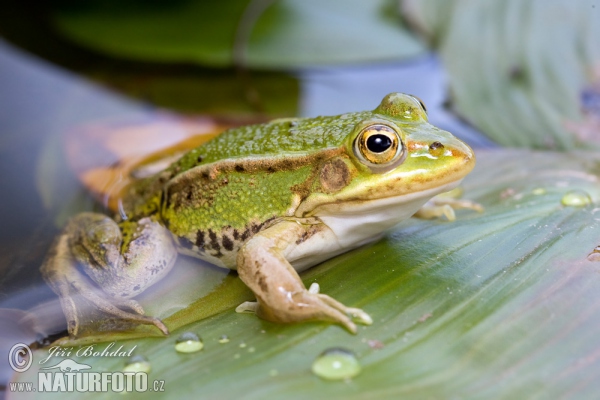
293,136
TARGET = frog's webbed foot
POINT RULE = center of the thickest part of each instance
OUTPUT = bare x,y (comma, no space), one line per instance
72,286
327,303
445,204
89,249
281,294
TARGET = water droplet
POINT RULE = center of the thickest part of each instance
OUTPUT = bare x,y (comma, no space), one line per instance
224,339
336,364
576,198
242,345
188,342
251,349
137,364
539,191
273,372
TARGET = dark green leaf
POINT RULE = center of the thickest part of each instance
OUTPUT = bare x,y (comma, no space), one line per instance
264,34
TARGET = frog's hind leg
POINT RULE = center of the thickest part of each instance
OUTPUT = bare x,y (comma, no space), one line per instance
66,280
90,246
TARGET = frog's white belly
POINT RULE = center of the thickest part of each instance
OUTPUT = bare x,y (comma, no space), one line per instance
354,224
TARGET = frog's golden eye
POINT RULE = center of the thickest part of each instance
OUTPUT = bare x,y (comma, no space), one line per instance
379,146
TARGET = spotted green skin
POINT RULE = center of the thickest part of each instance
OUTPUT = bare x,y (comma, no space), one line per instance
276,140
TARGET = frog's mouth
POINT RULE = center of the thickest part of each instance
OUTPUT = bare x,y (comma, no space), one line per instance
359,221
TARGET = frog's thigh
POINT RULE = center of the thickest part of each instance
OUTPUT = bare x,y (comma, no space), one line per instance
281,294
149,256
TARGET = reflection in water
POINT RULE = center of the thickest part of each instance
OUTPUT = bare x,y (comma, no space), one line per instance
38,104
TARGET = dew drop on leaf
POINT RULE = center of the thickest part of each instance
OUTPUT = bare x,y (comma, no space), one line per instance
137,363
336,364
188,342
576,198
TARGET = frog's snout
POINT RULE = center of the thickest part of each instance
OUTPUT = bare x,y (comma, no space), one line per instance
451,159
468,156
461,153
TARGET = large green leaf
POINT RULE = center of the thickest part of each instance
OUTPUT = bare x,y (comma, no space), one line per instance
265,34
523,72
503,304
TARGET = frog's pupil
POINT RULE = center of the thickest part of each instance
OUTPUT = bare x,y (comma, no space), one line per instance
379,143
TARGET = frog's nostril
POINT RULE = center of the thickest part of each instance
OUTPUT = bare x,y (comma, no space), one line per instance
436,149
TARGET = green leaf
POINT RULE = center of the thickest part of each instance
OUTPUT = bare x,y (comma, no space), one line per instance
520,71
502,304
263,34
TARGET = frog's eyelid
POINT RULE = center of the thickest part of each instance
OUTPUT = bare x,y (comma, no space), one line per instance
420,102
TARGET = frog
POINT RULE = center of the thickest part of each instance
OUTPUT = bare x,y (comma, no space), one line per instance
269,201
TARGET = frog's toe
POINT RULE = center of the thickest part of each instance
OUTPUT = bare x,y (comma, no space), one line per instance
111,306
360,316
314,288
348,324
247,307
445,204
356,313
128,303
112,309
328,313
430,211
135,306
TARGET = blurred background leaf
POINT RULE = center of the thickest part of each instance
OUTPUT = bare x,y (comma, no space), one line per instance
260,33
526,74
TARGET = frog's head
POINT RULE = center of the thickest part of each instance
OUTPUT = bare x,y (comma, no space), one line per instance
392,162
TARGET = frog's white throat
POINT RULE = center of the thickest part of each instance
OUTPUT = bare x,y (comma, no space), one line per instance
352,224
356,223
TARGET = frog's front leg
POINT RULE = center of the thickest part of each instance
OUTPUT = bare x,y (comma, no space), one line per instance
281,295
123,260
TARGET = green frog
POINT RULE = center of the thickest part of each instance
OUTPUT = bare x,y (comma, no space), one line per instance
266,200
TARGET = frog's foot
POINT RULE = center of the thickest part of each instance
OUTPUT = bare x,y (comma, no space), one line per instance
89,250
444,205
281,294
74,286
357,314
306,306
315,306
250,307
